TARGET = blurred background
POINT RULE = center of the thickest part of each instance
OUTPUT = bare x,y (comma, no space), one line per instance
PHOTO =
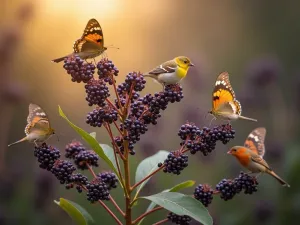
257,42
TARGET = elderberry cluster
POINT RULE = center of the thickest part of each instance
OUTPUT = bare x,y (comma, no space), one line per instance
135,80
97,190
73,149
246,182
85,159
79,70
109,178
175,163
101,115
46,155
78,180
227,189
119,142
204,140
63,170
135,129
106,70
97,92
204,193
182,220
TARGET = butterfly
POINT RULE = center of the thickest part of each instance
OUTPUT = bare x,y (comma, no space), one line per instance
91,43
255,141
224,103
38,128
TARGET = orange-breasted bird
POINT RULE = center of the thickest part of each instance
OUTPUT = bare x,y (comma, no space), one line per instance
251,154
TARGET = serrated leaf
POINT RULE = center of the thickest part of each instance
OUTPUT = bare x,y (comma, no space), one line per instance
178,187
181,204
75,211
147,166
91,141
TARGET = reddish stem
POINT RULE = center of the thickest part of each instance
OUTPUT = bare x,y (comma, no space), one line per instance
112,105
147,177
146,214
128,100
110,212
161,222
116,148
118,128
117,206
118,97
91,170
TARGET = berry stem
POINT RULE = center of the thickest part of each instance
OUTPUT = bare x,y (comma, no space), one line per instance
147,177
110,212
118,97
146,214
108,129
112,105
118,128
128,100
161,222
117,206
91,170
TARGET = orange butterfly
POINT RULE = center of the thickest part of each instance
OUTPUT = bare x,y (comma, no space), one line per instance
90,45
38,127
224,103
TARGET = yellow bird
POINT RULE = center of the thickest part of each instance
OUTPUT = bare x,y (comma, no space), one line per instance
172,71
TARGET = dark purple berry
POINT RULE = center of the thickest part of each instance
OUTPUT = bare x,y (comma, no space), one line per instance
97,190
204,193
106,70
46,155
63,170
97,92
85,159
227,189
182,220
109,178
175,163
102,115
73,149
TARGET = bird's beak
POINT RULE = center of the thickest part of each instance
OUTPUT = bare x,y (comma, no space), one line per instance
229,152
191,64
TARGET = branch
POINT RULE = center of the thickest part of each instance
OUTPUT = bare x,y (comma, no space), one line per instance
110,212
161,222
146,214
117,206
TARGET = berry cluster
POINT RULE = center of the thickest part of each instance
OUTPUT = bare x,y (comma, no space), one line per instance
97,190
73,149
109,178
85,159
102,115
227,189
182,220
46,155
175,163
204,193
77,180
97,92
135,129
246,182
204,140
106,70
63,170
119,142
79,70
136,81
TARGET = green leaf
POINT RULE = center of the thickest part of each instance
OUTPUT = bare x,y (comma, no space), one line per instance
91,141
75,211
147,166
178,187
93,134
181,204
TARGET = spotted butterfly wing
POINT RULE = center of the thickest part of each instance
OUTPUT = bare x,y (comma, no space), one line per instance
37,119
92,42
255,141
224,97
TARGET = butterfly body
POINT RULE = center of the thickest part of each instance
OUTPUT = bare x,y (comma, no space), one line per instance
90,45
224,103
251,154
38,128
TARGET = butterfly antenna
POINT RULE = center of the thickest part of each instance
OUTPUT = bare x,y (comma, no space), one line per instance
57,137
112,46
214,118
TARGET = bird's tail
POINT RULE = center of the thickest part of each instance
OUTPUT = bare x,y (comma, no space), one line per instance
281,181
247,118
23,139
59,59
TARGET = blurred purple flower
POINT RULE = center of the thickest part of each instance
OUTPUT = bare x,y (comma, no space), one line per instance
263,71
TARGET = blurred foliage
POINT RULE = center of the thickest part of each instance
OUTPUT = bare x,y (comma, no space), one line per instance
255,41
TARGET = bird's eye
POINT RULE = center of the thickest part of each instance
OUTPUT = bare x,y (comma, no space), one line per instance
185,62
234,150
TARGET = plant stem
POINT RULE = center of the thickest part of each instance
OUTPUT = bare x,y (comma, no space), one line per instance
161,222
91,170
147,177
118,128
146,214
112,105
128,101
118,97
117,206
110,212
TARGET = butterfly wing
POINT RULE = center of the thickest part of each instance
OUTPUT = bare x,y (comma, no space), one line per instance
37,119
255,141
223,95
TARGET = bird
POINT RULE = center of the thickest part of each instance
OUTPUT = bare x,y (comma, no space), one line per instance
91,43
224,104
38,128
251,154
171,72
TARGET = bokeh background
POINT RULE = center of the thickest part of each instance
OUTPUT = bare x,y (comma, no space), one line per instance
257,42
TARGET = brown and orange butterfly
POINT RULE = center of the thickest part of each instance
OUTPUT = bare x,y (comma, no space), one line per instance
224,103
256,141
91,43
38,127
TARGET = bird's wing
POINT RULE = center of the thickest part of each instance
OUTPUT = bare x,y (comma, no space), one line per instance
166,67
260,160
